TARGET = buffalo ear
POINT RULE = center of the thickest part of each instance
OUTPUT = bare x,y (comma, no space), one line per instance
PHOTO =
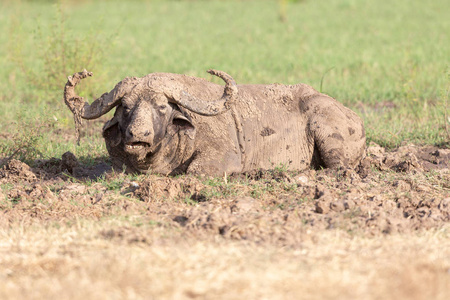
183,123
111,132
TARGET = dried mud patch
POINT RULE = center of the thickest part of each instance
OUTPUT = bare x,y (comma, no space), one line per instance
404,190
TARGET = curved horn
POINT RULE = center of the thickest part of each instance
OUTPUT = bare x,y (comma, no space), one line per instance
209,108
82,109
99,107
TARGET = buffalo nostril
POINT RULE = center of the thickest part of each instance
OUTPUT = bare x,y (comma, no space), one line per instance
130,133
147,133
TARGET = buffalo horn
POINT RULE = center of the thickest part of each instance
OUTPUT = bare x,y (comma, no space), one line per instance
210,108
79,107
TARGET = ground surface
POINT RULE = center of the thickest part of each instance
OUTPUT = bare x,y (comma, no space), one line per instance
77,231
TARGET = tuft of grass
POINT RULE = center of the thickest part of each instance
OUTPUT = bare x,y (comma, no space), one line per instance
24,144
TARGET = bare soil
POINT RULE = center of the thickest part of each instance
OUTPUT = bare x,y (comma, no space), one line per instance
397,191
397,195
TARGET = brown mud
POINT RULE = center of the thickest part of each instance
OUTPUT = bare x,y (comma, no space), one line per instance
404,190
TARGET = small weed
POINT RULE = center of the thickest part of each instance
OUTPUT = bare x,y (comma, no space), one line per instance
280,168
6,186
214,181
208,194
256,193
259,190
189,201
113,184
289,187
25,142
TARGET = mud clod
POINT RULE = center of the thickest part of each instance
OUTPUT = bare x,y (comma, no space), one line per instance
69,162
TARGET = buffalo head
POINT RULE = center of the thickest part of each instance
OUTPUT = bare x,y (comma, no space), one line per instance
151,128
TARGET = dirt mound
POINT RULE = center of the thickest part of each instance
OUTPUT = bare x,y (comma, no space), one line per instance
52,169
406,158
16,171
404,190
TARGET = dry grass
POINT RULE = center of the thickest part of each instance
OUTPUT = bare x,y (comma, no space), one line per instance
84,261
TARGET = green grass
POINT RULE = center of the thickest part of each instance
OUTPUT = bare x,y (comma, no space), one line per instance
366,54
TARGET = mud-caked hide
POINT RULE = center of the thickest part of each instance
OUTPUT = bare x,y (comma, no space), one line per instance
169,124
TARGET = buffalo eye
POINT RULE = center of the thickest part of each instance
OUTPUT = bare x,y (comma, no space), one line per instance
126,107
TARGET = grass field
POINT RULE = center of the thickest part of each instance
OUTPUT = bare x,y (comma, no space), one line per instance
389,61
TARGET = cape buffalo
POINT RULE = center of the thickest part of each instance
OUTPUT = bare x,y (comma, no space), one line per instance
170,124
